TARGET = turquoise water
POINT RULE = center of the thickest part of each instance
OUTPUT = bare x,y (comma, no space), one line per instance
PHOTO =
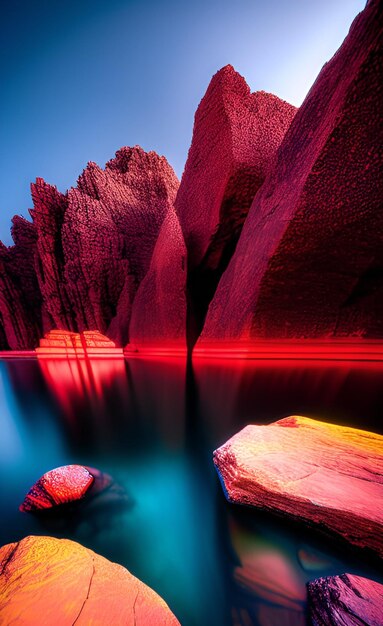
153,425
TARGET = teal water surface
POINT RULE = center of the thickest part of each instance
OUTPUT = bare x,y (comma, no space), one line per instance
153,424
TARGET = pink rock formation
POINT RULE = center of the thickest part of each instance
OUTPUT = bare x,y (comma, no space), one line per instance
236,133
345,600
158,320
57,581
48,216
20,300
309,260
322,474
96,242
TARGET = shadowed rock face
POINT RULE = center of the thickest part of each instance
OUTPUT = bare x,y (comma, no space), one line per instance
236,133
322,474
96,242
69,584
345,600
21,322
309,260
159,310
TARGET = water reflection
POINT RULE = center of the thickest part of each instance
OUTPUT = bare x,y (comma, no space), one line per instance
236,393
272,560
153,424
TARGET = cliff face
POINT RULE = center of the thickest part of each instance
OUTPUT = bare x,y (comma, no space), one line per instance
236,134
159,311
275,231
21,322
309,260
96,242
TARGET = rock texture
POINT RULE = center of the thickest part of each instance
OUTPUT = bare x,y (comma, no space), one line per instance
324,475
65,484
95,243
236,133
309,259
56,581
275,231
90,343
158,319
345,600
21,322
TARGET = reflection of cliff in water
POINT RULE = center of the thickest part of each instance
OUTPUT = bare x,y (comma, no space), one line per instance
153,425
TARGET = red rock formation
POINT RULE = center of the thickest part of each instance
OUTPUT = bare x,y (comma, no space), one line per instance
322,474
236,133
20,299
345,600
309,260
67,484
57,581
48,215
58,486
96,242
158,320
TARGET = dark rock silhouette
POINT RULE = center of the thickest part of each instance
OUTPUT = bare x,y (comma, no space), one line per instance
309,260
236,133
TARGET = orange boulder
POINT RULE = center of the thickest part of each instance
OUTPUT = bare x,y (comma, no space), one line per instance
56,581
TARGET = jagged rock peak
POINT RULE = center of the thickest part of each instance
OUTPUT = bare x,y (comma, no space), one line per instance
235,136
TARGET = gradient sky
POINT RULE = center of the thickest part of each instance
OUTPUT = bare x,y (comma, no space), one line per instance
82,78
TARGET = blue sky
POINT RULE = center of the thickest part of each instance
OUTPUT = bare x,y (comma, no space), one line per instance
81,79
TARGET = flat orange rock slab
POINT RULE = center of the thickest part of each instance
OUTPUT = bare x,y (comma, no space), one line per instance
49,581
322,474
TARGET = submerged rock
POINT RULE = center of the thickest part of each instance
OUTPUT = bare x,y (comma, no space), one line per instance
324,475
345,600
63,485
56,581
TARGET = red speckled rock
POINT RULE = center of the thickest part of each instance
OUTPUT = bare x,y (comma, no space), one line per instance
56,581
68,483
345,600
158,318
309,260
236,133
322,474
20,299
96,242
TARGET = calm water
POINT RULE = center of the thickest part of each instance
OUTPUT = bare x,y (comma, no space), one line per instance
153,426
